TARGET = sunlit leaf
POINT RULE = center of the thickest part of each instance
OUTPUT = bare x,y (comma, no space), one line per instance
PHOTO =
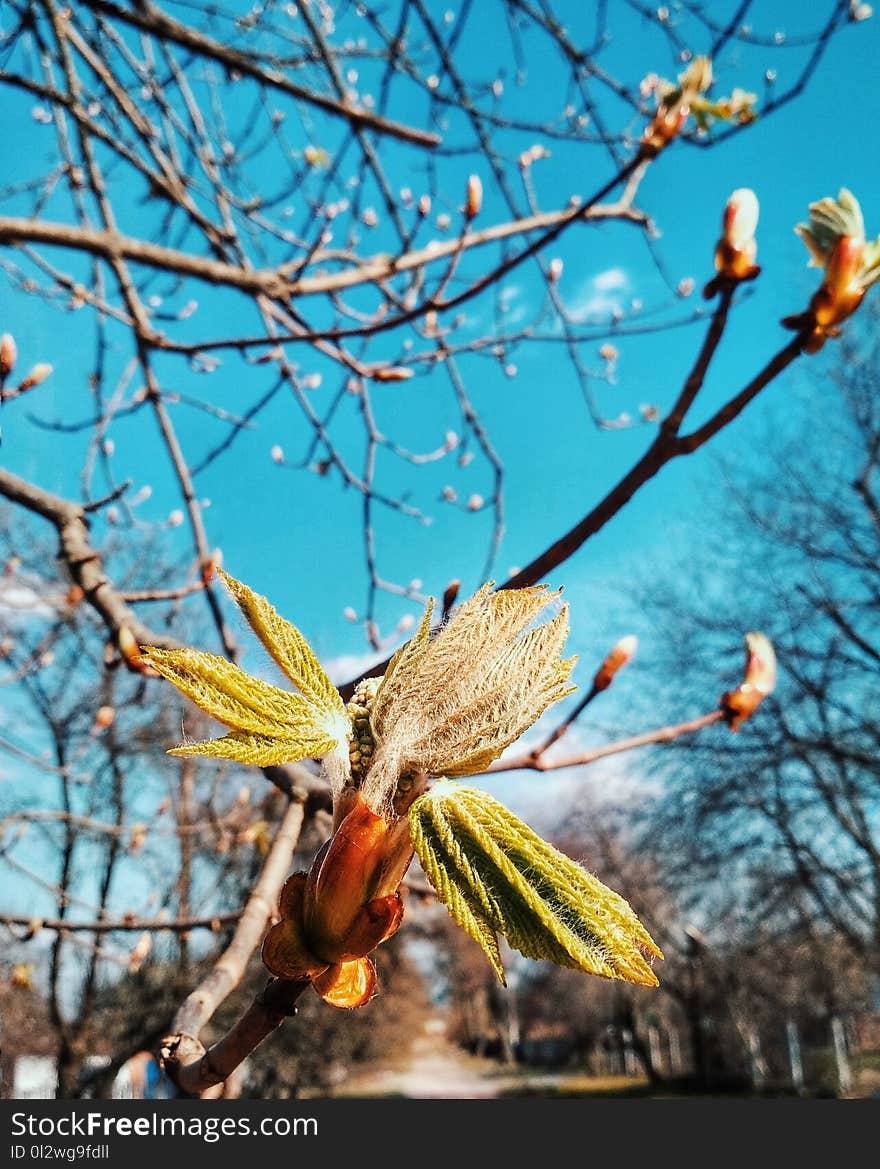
258,750
496,875
286,644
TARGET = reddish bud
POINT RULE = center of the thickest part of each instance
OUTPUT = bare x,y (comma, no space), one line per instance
841,274
736,250
104,717
391,373
620,654
759,681
36,376
474,200
8,355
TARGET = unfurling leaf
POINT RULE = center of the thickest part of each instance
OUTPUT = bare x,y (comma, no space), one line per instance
450,704
290,650
835,238
269,726
496,876
224,691
830,219
258,750
618,656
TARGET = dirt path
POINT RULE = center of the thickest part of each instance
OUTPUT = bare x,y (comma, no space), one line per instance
434,1070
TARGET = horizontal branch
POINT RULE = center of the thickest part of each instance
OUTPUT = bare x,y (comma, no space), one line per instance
384,265
114,246
667,734
121,925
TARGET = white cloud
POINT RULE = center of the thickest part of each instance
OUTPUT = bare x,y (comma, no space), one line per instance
347,666
611,280
514,306
601,296
19,598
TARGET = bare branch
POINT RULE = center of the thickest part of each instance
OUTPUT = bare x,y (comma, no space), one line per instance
191,1067
151,19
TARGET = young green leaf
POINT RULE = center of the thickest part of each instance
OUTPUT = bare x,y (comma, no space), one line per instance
290,650
495,875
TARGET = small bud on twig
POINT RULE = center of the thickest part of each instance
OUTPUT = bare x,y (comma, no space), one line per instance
835,238
474,197
36,376
759,681
8,355
449,597
391,373
736,250
620,654
104,717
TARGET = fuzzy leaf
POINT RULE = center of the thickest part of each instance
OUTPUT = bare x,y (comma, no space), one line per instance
400,662
258,750
450,704
224,691
286,644
829,220
495,875
437,851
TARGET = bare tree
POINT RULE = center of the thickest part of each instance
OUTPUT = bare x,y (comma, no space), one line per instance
230,198
779,828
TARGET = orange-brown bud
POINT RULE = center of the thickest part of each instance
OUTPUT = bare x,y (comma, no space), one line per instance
8,355
128,645
736,250
391,373
620,654
104,717
663,128
348,903
759,681
36,376
840,293
131,653
474,200
351,898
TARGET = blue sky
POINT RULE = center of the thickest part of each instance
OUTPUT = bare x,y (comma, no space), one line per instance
298,537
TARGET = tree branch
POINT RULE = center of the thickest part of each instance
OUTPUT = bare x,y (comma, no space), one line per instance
82,561
121,925
667,734
184,1057
150,19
